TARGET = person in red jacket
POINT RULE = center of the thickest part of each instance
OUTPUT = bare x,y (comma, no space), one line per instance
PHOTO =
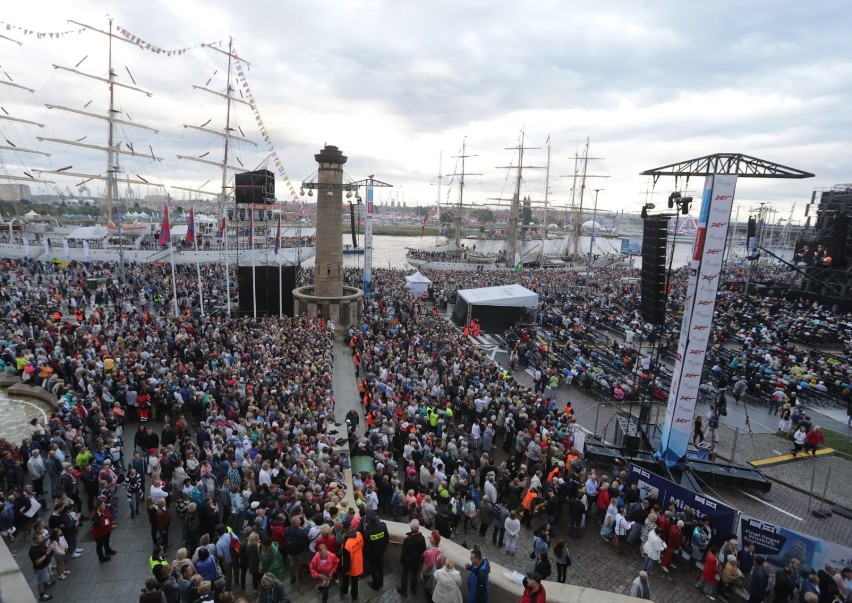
102,526
323,568
813,440
533,589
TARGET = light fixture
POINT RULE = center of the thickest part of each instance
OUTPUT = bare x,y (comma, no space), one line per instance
302,192
329,194
349,195
310,193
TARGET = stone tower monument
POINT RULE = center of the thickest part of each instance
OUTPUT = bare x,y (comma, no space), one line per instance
328,297
329,254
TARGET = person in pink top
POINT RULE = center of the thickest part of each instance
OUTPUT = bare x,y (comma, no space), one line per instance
323,568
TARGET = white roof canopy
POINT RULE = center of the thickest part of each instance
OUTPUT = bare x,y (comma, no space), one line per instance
418,278
89,233
513,296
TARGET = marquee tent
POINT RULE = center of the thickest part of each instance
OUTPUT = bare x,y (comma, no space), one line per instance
417,283
494,308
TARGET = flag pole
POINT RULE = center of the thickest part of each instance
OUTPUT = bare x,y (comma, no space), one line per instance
197,265
280,284
227,270
253,270
174,282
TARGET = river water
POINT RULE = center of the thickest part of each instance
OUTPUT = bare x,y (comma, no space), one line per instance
389,250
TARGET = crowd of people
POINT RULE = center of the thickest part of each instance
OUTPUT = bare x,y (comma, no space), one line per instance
247,460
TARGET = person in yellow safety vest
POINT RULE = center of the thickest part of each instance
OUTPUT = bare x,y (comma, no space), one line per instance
158,557
433,417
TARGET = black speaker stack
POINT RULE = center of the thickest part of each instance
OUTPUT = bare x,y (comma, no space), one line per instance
654,237
266,287
255,187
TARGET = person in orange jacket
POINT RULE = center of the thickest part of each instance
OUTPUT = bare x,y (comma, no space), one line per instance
353,562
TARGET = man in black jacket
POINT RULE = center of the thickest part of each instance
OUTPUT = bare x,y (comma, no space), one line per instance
376,539
784,586
411,558
759,583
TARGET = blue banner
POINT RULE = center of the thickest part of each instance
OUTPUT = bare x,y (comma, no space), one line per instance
722,517
779,545
631,247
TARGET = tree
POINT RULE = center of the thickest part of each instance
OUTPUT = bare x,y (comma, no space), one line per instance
484,215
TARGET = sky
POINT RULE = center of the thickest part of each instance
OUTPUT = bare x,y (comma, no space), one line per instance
397,85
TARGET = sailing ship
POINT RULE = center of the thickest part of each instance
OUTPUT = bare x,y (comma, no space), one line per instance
117,241
511,253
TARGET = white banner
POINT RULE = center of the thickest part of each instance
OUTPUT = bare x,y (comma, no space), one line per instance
65,249
368,242
86,250
705,268
27,248
46,247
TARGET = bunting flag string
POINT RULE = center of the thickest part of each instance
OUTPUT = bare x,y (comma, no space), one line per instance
144,45
243,82
41,35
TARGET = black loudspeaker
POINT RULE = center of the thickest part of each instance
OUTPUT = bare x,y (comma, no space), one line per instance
254,187
837,240
751,234
267,288
654,237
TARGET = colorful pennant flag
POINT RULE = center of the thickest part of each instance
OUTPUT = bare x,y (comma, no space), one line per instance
165,227
278,235
190,230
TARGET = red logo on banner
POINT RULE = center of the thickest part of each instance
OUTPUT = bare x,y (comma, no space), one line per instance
713,251
709,277
687,398
684,420
696,351
691,375
718,224
723,197
700,327
704,302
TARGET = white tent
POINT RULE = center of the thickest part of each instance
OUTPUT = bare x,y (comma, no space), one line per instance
31,215
89,233
590,225
513,296
417,283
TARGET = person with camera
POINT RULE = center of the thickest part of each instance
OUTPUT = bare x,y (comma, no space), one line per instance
40,554
534,589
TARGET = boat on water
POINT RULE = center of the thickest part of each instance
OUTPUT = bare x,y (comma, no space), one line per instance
244,234
475,253
350,250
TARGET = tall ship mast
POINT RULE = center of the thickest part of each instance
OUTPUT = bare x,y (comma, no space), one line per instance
113,149
138,241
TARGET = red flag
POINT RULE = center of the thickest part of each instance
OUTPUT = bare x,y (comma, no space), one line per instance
190,230
278,236
251,228
165,227
423,228
224,228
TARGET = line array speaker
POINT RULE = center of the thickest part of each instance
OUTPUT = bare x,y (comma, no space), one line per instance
654,237
254,187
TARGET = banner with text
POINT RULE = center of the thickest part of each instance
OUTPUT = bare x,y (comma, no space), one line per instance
705,268
722,517
779,545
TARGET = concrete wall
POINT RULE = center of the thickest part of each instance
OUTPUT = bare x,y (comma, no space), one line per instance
503,590
13,585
